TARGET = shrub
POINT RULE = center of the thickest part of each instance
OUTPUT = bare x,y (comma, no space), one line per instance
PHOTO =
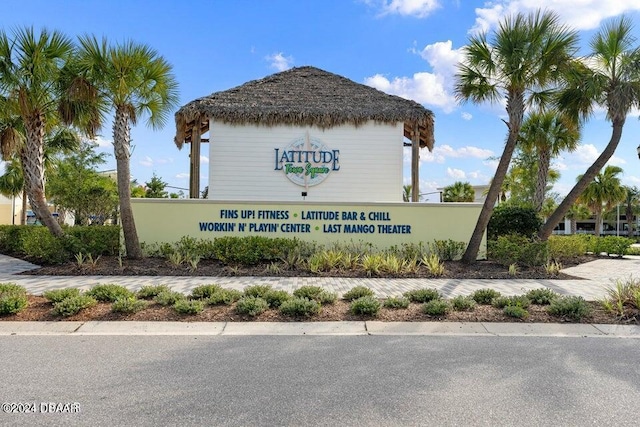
515,311
128,305
185,306
13,298
251,250
553,268
508,219
448,250
423,295
463,303
251,306
109,293
366,305
433,264
167,298
516,301
300,307
73,305
315,293
396,302
151,291
435,307
225,296
485,296
542,296
574,308
372,264
102,240
57,295
565,248
615,245
515,249
626,294
275,298
205,291
358,292
257,291
44,248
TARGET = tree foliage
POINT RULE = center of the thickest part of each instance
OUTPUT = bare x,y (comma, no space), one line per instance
458,192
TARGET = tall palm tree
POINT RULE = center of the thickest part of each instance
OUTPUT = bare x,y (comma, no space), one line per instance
631,207
609,77
576,213
31,66
12,185
458,192
547,133
604,192
133,80
525,55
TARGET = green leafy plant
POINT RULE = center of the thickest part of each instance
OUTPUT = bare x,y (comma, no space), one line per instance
73,305
513,269
185,306
515,300
509,219
13,298
167,298
57,295
315,293
542,296
436,307
109,292
396,302
275,298
205,291
257,291
433,265
251,306
423,295
515,311
372,264
128,305
448,250
151,291
365,306
575,308
225,296
300,307
485,296
463,303
358,292
553,268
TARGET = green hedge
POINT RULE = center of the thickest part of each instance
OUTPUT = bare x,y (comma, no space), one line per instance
515,249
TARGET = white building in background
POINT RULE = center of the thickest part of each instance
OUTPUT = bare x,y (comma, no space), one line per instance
10,210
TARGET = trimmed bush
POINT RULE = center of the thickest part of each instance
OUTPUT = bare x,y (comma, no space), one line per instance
396,302
186,306
358,292
13,298
257,291
109,293
167,298
275,298
365,306
300,307
508,219
515,311
542,296
574,308
436,307
251,306
225,296
485,296
515,301
515,249
565,248
423,295
57,295
463,303
152,291
448,250
316,293
128,305
205,291
73,305
251,250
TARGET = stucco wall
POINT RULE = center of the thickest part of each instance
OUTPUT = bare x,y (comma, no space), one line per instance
382,224
242,163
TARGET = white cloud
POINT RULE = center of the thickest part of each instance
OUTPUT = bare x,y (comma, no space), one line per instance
579,14
456,173
182,176
149,162
146,161
434,89
279,61
416,8
466,116
204,159
102,142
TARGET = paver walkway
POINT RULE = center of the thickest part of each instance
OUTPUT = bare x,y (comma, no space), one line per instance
596,277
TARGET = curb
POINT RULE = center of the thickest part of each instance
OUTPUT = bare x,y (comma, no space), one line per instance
486,329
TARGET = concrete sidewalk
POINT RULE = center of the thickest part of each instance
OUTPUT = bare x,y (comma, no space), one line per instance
595,278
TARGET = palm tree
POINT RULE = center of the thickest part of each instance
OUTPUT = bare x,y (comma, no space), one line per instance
546,134
133,80
406,193
605,191
12,185
31,70
631,207
526,54
609,77
576,213
458,192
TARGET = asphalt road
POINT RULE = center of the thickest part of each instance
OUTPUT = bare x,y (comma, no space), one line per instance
330,380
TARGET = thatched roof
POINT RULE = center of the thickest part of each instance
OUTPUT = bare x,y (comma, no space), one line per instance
304,96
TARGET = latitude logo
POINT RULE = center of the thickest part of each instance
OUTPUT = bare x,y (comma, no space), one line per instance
307,161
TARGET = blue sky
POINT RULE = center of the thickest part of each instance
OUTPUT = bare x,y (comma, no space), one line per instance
404,47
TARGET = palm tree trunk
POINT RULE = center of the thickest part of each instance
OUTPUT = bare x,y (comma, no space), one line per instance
628,213
33,167
121,147
574,225
23,214
598,231
515,107
541,182
580,186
